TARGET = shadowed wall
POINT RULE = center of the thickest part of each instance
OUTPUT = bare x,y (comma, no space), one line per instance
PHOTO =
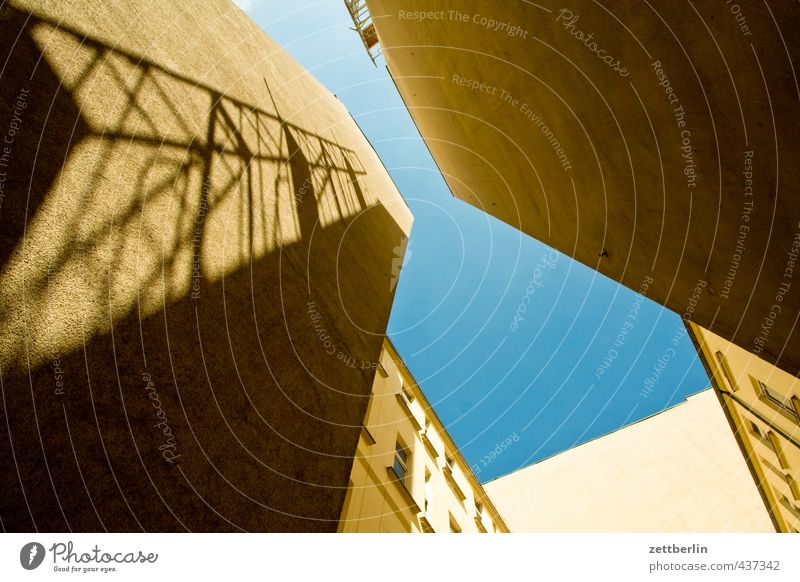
197,247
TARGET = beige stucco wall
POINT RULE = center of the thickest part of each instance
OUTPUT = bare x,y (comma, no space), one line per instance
678,471
376,500
192,230
768,434
669,166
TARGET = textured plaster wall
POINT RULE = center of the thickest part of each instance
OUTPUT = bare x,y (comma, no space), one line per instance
653,141
193,232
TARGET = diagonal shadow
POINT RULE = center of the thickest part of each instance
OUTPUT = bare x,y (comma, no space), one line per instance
165,256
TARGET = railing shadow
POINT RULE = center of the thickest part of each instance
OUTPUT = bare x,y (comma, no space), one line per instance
162,242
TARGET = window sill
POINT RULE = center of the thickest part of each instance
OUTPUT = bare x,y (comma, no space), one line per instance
448,473
367,435
426,525
429,445
401,486
405,405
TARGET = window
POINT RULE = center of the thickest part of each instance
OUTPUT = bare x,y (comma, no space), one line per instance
400,464
790,506
449,462
777,448
769,439
407,394
425,434
777,400
454,527
763,437
428,490
479,517
726,371
794,487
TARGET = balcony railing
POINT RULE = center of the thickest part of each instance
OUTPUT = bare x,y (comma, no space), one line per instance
364,27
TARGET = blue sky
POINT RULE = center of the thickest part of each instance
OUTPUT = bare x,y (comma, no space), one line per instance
583,357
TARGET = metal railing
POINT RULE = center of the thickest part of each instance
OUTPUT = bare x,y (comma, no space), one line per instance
364,27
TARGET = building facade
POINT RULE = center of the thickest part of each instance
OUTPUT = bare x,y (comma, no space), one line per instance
408,475
643,141
195,236
762,405
677,471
